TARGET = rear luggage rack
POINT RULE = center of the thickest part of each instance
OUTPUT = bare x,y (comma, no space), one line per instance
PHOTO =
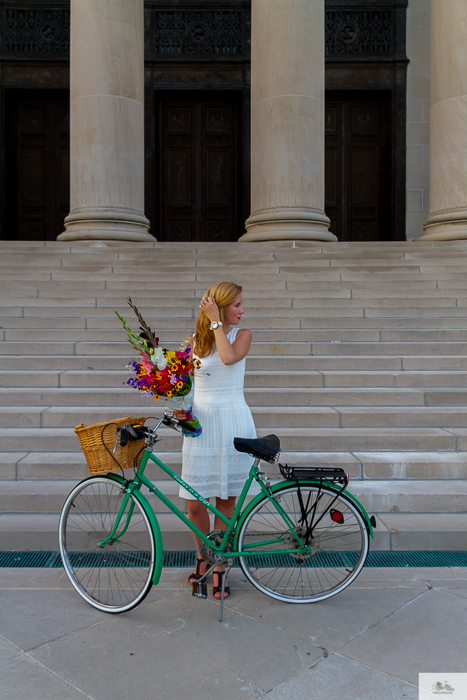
304,473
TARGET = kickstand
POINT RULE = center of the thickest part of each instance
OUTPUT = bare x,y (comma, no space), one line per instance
222,593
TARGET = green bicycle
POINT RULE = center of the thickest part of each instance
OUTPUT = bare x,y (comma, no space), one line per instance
300,540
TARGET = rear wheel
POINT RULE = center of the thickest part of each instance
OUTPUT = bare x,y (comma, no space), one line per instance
330,524
117,576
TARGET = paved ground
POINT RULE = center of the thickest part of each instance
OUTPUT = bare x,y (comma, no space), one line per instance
368,643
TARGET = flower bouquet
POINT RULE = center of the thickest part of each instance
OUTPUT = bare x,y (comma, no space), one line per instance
165,374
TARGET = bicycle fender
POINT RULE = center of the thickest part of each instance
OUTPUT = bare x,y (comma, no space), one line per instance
144,503
284,484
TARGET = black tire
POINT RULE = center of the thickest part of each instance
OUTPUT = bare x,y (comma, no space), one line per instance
118,576
339,544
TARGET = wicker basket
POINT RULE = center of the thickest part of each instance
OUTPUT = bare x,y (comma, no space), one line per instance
98,440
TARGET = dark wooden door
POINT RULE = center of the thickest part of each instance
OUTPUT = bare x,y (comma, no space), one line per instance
199,162
37,166
358,168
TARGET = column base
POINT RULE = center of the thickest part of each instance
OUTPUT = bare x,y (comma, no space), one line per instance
106,226
277,225
449,226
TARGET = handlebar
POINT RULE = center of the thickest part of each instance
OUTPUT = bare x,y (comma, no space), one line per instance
143,432
172,422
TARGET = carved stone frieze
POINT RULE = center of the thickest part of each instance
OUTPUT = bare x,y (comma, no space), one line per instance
199,33
36,31
359,32
170,33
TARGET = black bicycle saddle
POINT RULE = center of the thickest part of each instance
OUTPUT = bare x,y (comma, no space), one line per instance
265,448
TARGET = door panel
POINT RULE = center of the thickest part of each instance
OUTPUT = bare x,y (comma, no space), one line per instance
37,165
199,156
357,163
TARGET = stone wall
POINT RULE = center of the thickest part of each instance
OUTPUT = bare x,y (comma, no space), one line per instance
418,105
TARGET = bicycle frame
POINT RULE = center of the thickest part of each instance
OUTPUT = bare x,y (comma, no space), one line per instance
134,486
140,479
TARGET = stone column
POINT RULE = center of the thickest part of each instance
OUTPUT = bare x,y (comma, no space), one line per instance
287,122
447,219
107,122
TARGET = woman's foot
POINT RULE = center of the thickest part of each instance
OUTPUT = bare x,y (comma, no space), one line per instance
217,590
200,570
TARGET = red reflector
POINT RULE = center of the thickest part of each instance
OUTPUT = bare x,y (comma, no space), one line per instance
337,516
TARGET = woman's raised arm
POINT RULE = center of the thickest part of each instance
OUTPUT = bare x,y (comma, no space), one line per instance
229,354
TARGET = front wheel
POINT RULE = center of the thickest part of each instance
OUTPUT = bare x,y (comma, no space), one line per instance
331,526
116,576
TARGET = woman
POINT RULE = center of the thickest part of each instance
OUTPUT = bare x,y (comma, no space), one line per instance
210,462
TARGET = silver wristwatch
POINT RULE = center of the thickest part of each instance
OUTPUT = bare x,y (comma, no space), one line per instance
215,324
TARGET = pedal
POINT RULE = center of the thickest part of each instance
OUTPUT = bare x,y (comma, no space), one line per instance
200,590
373,521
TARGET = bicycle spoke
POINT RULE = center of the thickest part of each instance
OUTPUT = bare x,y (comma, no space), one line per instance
117,575
315,574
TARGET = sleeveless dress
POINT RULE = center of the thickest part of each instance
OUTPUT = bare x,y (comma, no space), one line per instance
211,464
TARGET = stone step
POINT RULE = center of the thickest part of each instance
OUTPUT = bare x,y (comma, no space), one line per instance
386,417
406,378
388,348
123,349
394,532
271,417
195,268
253,379
260,362
279,289
302,308
368,465
68,466
292,439
265,293
350,396
319,318
49,496
126,262
113,379
382,497
304,335
105,337
352,320
320,347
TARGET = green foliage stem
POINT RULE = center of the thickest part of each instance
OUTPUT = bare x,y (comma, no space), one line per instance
133,338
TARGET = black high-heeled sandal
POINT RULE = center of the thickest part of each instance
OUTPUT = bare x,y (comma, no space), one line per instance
196,574
218,588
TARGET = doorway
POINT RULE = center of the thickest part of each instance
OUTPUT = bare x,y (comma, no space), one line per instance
198,164
37,164
358,165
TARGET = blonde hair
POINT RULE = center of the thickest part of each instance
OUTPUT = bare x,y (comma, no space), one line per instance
223,293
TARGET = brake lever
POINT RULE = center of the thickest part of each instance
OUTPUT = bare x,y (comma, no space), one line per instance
131,430
116,441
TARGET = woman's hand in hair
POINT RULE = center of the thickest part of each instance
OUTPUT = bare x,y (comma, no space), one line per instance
210,309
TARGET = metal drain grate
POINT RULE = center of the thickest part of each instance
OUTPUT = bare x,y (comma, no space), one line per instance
51,560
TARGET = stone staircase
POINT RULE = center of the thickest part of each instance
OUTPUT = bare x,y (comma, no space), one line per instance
359,360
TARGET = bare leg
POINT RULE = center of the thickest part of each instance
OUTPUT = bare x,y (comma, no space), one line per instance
226,507
199,516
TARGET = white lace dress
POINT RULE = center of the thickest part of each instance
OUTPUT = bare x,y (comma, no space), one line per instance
211,464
